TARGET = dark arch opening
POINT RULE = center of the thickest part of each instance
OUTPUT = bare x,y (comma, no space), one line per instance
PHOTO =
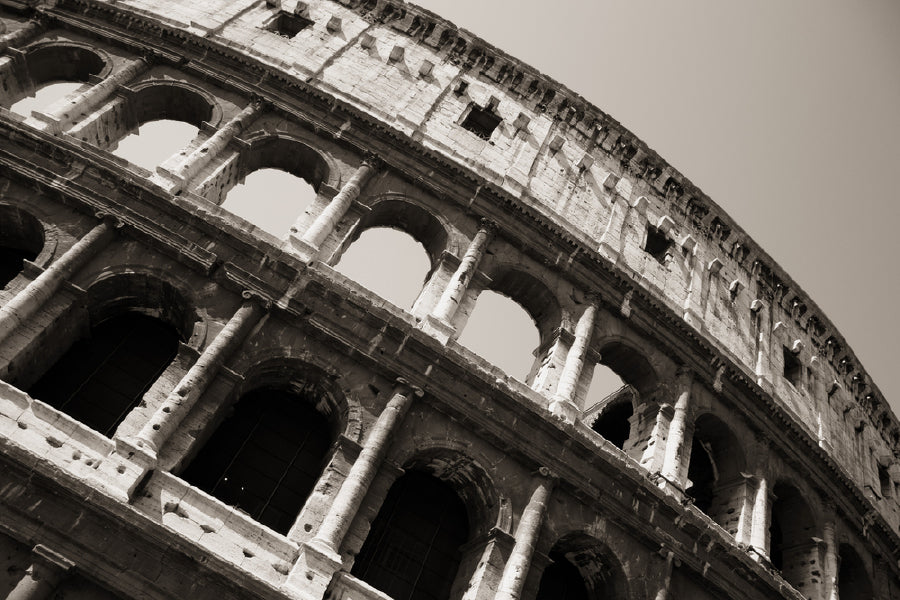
792,549
561,581
103,377
62,62
614,422
166,101
629,364
412,551
266,456
716,460
582,568
286,155
21,238
854,582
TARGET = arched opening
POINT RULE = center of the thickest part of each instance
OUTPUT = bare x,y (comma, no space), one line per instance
613,423
168,117
715,482
53,71
267,455
412,551
103,377
792,549
502,332
386,253
582,568
21,238
854,582
155,141
620,382
281,178
388,262
271,199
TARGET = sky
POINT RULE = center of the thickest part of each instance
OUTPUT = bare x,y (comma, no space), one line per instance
786,114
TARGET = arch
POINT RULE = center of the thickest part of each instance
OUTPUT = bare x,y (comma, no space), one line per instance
531,294
613,421
65,61
290,155
583,568
175,100
382,252
792,547
413,548
397,212
854,582
101,378
136,323
630,364
267,455
715,481
21,238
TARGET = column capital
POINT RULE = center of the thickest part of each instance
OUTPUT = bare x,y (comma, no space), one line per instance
254,296
489,225
110,219
52,559
373,161
402,386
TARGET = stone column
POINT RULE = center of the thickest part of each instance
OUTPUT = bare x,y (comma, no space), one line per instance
324,223
563,402
519,562
831,560
676,444
27,302
64,113
663,593
202,155
438,323
759,525
22,36
611,240
150,439
319,558
47,570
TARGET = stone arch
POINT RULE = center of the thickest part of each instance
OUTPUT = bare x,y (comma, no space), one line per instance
715,472
854,578
21,238
462,478
137,322
613,418
176,100
56,61
532,294
404,214
151,293
285,152
792,531
579,555
269,443
630,363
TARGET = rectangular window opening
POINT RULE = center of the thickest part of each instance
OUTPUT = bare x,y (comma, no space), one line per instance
793,369
482,121
287,24
657,244
887,486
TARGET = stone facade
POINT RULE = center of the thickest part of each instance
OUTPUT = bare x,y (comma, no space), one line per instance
757,459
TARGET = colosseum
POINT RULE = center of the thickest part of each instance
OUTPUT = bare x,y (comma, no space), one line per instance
194,405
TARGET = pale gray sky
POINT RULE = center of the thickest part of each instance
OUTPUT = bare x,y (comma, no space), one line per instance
787,114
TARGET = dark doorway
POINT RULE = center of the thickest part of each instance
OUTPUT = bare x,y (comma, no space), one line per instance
412,551
102,378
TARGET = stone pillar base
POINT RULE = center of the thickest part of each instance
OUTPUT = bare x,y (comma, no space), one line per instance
436,328
296,246
313,571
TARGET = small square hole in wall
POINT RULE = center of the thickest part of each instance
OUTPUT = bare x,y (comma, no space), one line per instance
482,121
657,244
792,368
287,24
